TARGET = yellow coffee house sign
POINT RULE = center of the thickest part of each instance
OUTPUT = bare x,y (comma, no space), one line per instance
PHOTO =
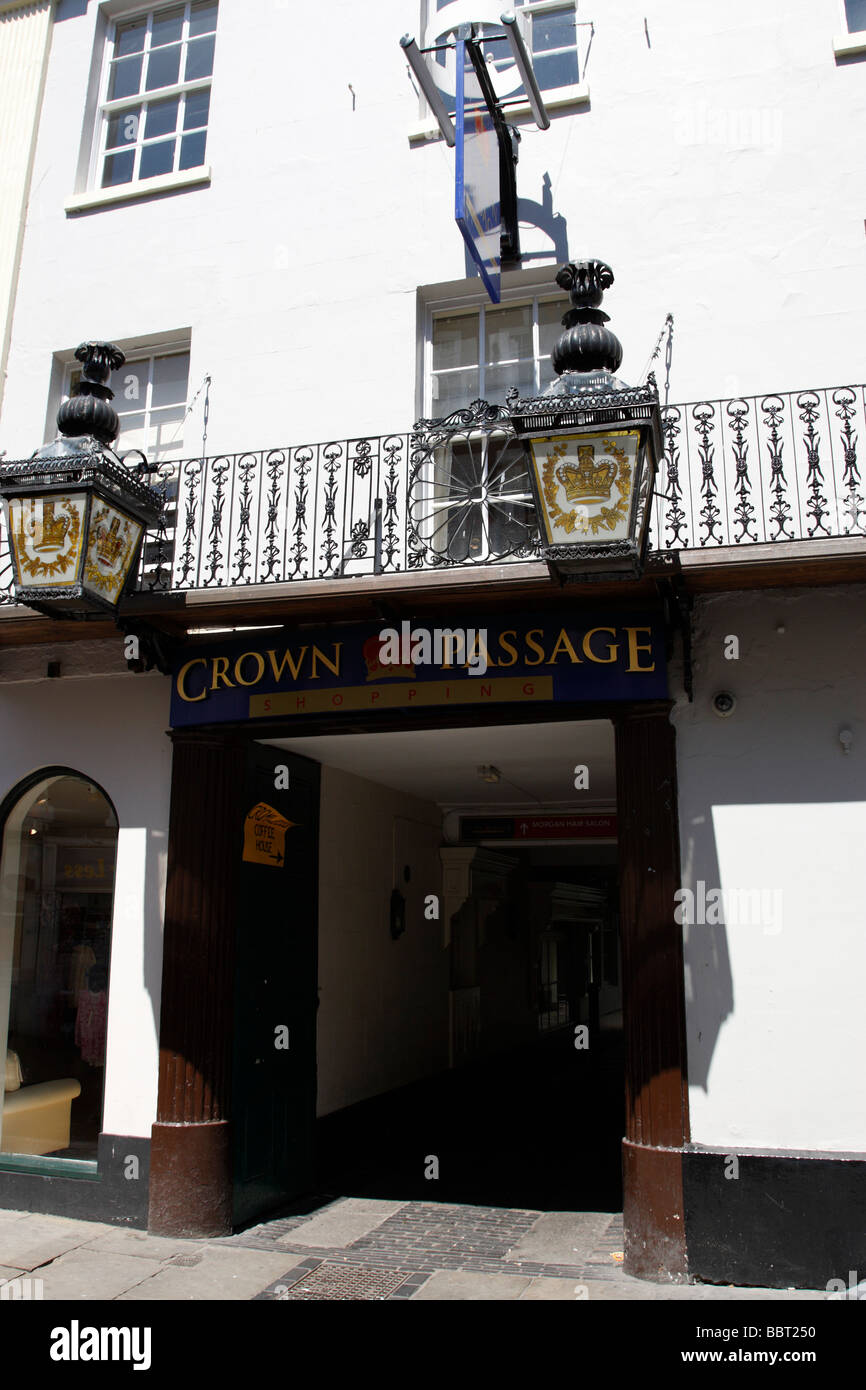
265,836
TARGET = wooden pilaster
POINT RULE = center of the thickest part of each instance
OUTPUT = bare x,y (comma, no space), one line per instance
191,1177
653,994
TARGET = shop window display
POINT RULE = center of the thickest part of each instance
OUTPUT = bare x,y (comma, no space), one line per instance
56,894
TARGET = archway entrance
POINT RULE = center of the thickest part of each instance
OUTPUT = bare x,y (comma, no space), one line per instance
191,1174
56,894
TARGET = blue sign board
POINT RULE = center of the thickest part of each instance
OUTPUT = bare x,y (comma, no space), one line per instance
477,207
370,667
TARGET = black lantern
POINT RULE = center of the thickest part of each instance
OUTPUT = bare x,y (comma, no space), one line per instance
75,514
592,443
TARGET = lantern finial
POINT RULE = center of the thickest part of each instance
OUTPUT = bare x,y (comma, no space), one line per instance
586,346
88,410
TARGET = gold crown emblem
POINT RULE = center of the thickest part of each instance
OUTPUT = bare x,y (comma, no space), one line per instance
109,545
54,529
587,481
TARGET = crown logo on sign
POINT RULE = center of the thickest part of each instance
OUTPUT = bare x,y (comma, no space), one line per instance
588,481
54,529
378,670
110,545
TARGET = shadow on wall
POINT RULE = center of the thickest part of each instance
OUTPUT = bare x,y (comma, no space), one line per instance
154,901
771,809
541,216
709,986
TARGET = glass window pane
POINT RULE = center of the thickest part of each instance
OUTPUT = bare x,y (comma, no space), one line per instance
170,379
202,18
197,109
166,430
123,128
453,391
199,59
161,118
192,149
132,433
546,374
163,67
131,387
167,27
554,29
118,168
156,159
130,38
125,80
455,341
498,381
555,70
56,885
855,12
509,333
549,326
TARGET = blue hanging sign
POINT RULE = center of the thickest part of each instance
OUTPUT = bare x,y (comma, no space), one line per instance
478,205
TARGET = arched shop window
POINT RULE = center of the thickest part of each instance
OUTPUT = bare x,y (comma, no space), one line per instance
56,893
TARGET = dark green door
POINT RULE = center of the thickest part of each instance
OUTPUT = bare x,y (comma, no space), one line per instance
274,1073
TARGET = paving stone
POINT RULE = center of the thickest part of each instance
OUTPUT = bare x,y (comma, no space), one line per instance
463,1286
124,1242
558,1290
35,1240
343,1224
222,1274
85,1275
566,1238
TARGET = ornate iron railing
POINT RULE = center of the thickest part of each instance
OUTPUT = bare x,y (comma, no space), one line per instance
760,469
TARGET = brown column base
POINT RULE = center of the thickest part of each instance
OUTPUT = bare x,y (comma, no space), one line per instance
190,1180
653,1214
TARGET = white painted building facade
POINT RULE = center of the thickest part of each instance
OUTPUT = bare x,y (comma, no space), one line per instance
302,279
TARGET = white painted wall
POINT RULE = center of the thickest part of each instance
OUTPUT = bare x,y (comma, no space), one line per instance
769,800
25,35
383,1010
112,729
718,168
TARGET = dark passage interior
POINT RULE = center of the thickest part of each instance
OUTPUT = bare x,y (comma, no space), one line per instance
531,1113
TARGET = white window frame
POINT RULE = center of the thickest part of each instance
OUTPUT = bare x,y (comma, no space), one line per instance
134,356
445,301
555,98
848,42
479,305
105,109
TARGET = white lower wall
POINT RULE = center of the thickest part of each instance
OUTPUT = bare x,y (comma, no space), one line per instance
768,800
383,1011
111,729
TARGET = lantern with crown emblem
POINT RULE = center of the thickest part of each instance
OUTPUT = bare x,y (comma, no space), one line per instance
592,443
75,513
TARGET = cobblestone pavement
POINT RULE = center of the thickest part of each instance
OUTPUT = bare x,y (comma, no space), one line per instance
424,1241
347,1248
423,1237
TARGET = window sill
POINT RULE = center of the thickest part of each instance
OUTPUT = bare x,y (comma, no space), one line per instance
848,44
50,1167
131,192
560,99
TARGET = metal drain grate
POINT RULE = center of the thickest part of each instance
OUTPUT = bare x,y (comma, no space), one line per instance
345,1282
